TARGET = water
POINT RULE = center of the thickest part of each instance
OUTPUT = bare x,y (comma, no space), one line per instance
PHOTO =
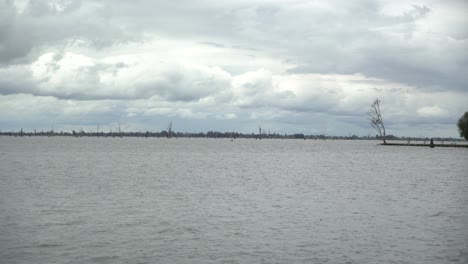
136,200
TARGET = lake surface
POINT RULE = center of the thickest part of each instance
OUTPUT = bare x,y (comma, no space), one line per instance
136,200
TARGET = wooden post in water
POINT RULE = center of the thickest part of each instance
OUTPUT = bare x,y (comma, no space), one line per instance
431,145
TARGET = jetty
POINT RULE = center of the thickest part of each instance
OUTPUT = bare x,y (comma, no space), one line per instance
451,145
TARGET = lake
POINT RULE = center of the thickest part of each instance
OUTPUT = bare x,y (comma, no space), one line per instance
137,200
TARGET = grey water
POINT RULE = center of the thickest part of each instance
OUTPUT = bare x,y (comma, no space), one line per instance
137,200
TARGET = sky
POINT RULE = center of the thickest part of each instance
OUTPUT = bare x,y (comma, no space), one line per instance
289,66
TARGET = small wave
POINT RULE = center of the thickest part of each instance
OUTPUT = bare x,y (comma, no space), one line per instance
104,258
69,223
438,214
56,211
48,245
165,230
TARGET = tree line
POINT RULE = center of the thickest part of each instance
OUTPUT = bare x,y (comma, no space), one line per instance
209,134
374,116
169,133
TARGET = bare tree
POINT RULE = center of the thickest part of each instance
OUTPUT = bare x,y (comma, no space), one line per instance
169,130
376,120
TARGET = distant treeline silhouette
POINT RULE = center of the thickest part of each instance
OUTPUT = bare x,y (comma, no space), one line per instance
209,134
162,134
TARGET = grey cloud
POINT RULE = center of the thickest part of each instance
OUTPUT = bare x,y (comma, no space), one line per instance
322,37
42,24
12,42
179,83
47,8
172,83
361,46
347,39
419,11
16,83
259,91
427,78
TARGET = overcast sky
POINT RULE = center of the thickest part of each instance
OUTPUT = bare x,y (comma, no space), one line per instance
297,66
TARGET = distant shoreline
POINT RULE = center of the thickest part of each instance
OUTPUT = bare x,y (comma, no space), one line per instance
392,141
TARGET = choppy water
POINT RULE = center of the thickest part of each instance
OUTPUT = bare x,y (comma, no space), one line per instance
130,200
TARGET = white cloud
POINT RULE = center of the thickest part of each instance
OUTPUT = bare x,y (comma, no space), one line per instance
432,111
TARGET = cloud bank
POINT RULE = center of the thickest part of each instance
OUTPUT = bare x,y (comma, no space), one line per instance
291,66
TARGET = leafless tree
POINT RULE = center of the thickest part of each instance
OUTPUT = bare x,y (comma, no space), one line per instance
376,120
169,130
